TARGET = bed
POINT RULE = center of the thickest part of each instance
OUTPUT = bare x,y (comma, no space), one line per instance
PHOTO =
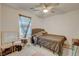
50,41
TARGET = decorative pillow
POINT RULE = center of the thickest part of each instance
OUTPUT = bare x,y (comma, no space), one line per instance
40,33
43,32
36,30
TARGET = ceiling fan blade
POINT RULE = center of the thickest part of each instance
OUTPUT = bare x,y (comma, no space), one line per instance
53,4
50,7
52,11
40,7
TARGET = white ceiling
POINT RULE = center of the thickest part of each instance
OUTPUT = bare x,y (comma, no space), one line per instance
63,8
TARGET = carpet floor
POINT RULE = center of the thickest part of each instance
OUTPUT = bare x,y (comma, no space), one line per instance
31,50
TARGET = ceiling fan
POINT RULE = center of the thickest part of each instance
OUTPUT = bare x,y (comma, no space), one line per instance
45,7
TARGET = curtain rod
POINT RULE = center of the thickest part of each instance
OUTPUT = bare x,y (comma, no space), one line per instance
24,15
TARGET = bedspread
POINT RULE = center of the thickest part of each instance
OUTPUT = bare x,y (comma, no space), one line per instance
52,42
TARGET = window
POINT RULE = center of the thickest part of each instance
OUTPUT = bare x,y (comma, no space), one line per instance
25,27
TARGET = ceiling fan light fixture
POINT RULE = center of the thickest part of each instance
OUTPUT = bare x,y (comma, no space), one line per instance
45,10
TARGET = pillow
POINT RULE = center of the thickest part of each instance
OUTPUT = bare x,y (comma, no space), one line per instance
43,32
36,30
40,33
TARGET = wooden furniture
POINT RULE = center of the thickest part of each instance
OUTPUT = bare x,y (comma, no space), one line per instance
50,41
15,48
75,45
12,47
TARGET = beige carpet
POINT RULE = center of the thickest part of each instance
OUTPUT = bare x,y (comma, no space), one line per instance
31,50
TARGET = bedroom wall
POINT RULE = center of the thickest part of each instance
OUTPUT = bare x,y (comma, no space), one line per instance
11,16
64,24
10,21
